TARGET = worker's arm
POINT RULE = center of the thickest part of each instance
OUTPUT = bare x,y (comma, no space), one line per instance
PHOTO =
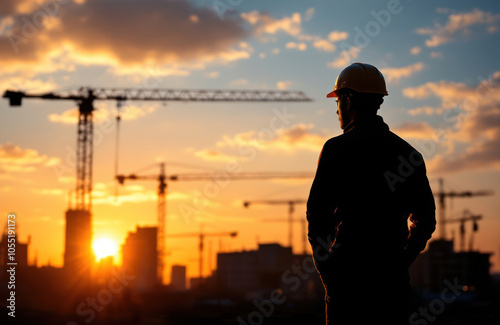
423,215
322,201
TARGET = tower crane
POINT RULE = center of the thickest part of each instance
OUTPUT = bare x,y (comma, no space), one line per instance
161,210
467,216
452,194
79,220
304,230
291,209
162,179
85,97
201,235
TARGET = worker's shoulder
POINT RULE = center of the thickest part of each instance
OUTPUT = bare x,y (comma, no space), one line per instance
337,141
399,142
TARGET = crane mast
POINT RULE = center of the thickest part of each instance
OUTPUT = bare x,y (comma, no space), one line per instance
85,97
79,220
291,210
84,154
162,179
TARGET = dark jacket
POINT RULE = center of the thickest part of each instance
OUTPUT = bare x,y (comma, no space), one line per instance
368,183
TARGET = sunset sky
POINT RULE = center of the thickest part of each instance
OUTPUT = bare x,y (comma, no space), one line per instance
439,58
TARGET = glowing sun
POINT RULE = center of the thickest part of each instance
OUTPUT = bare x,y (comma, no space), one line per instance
104,247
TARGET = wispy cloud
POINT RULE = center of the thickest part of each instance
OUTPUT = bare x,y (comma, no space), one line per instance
283,85
15,159
345,57
458,24
104,113
395,74
104,194
414,130
474,123
216,155
324,45
299,46
295,137
264,23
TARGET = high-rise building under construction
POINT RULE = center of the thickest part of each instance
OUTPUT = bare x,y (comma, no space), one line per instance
78,241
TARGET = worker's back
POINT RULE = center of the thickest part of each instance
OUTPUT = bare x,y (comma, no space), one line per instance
377,177
368,184
374,180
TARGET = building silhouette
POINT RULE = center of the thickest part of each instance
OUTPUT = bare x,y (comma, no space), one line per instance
178,278
140,258
440,262
78,256
21,251
257,271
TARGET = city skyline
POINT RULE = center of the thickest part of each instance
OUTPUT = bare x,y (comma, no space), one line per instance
439,63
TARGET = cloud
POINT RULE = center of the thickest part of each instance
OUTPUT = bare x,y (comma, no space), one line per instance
324,45
474,123
104,194
344,58
458,23
49,191
299,46
309,14
283,85
122,33
415,130
19,6
484,155
425,110
416,50
105,113
295,137
26,84
215,155
15,159
265,24
336,36
194,19
298,136
395,74
451,94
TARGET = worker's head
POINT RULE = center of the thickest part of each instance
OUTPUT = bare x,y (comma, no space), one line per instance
359,90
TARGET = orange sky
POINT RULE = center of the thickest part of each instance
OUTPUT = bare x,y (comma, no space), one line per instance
442,75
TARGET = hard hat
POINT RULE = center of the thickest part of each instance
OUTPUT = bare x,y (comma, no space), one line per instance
360,77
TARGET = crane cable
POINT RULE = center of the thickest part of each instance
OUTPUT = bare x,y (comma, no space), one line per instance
119,104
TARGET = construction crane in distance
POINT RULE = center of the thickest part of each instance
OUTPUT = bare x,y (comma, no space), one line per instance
201,235
291,210
81,216
85,97
162,179
304,230
451,194
161,211
467,216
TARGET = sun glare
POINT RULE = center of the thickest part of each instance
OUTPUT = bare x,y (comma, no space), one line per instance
104,247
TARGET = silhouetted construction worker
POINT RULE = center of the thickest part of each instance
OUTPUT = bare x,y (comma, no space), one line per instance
369,182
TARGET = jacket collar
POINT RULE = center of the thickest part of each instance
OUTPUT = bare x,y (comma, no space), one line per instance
367,122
